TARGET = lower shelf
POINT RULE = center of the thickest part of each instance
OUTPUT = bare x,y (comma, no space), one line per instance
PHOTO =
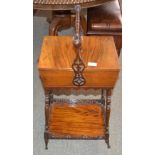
76,121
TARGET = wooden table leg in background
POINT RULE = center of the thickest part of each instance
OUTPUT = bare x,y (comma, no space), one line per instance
63,20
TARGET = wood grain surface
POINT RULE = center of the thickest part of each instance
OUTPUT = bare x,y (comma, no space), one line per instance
106,20
76,120
58,53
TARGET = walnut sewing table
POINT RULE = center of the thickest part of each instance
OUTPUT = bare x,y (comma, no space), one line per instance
78,119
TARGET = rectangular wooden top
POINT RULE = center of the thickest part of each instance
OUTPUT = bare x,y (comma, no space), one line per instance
98,52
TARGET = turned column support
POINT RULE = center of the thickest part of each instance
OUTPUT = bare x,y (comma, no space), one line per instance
103,98
107,116
47,104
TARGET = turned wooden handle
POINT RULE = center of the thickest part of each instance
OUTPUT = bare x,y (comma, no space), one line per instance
78,65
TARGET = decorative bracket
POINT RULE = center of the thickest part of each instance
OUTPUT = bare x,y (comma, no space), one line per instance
78,65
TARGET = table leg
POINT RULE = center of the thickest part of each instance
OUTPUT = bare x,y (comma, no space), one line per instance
108,109
47,104
64,21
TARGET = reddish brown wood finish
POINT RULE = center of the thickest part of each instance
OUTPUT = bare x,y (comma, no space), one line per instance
76,120
79,121
106,20
57,56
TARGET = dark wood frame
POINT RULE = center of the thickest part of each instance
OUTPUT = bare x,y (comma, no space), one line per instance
105,101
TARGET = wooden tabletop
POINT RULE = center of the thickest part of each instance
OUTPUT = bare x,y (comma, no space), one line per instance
59,53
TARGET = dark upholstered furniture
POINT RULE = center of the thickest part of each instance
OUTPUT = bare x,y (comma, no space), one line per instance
106,20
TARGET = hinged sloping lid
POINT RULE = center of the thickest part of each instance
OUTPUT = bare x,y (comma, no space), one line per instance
98,52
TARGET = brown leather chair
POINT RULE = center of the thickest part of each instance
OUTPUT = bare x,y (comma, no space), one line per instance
106,20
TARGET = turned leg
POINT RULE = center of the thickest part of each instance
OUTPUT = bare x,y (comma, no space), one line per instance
102,97
108,102
46,140
47,104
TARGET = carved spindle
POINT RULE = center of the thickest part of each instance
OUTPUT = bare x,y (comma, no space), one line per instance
108,109
47,104
46,139
78,64
103,103
102,97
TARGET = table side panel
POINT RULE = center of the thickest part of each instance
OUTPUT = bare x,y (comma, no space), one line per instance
61,78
